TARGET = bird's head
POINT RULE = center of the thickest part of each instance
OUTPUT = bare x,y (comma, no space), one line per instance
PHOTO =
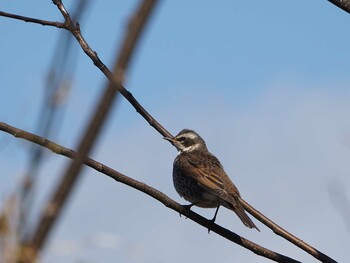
187,141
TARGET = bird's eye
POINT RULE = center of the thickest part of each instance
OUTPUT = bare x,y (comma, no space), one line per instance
181,139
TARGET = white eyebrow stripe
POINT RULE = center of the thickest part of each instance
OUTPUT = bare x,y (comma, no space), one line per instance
189,135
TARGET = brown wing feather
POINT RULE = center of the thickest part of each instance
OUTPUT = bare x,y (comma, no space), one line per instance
203,170
212,177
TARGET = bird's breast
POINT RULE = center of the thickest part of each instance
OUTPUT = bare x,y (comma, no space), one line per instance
188,188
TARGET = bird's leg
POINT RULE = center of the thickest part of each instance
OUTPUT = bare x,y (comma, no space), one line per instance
213,220
216,212
188,209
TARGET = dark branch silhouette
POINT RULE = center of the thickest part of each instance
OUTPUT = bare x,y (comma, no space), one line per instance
34,20
156,194
343,4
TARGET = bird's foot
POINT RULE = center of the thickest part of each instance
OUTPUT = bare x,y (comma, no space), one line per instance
212,222
188,209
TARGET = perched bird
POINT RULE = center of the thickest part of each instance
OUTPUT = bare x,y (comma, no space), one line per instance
199,177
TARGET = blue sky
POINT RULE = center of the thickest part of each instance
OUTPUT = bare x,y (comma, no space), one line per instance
265,83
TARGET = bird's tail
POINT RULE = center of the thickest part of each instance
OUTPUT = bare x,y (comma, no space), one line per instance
239,210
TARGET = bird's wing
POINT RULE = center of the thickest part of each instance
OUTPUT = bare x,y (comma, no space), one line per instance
209,173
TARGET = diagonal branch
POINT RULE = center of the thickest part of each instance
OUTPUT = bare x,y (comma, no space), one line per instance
285,234
114,79
156,194
343,4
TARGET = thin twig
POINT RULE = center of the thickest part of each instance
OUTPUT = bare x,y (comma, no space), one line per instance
34,20
156,194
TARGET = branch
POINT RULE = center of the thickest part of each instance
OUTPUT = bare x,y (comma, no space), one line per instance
285,234
156,194
343,4
115,79
34,20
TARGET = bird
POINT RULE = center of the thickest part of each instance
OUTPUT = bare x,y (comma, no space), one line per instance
199,177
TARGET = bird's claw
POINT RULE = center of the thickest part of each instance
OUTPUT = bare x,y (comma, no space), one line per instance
212,222
188,209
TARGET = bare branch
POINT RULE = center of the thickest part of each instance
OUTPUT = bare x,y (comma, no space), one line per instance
285,234
156,194
34,20
343,4
117,85
134,30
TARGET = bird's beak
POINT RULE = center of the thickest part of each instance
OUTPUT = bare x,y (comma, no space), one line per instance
169,139
174,142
